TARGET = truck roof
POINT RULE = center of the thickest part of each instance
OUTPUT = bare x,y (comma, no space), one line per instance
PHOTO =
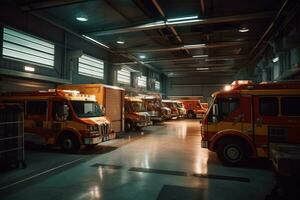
267,88
136,99
68,94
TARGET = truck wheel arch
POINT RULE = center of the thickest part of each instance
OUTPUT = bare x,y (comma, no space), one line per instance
233,134
68,131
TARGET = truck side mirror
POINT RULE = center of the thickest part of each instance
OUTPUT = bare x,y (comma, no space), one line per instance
66,111
103,110
215,110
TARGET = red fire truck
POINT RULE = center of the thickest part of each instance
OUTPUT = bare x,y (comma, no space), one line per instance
245,120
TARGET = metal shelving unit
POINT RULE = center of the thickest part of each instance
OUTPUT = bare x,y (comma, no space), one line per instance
11,136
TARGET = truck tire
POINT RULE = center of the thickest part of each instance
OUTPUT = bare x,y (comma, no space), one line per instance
69,143
129,125
190,114
232,152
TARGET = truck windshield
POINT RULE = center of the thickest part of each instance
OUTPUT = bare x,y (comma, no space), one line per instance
138,107
85,109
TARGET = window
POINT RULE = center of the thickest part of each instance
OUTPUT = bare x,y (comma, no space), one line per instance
142,81
227,106
124,76
58,110
36,107
90,66
23,47
268,106
157,85
290,106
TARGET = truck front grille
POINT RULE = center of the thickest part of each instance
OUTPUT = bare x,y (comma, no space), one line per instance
104,129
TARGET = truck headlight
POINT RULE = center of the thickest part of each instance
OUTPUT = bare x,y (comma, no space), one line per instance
92,128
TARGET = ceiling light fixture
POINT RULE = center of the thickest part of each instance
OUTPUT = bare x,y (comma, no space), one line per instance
120,42
202,68
276,59
142,56
200,56
97,42
191,46
183,21
82,19
243,30
182,18
29,69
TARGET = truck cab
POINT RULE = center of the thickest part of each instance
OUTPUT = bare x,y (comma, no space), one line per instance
154,106
62,117
194,109
246,120
136,116
173,107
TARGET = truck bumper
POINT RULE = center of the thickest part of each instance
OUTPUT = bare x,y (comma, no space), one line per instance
204,144
141,124
94,140
159,119
200,116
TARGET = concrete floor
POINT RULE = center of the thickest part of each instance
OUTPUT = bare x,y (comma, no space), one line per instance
168,163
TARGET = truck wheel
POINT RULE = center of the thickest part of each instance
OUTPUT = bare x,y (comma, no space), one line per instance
129,125
190,115
231,152
69,143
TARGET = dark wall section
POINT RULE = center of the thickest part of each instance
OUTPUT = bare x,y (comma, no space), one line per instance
13,17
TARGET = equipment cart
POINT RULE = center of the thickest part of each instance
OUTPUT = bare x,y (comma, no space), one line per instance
11,136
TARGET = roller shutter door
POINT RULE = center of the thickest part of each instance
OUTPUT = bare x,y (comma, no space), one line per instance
8,84
113,107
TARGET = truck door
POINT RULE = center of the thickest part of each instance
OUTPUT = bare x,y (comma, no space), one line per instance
230,115
266,123
60,117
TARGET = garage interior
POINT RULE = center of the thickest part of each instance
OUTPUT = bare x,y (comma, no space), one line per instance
138,65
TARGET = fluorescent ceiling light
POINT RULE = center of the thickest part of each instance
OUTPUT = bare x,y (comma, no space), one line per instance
202,68
275,59
29,69
142,56
243,30
183,21
200,56
182,18
120,42
81,19
93,40
193,46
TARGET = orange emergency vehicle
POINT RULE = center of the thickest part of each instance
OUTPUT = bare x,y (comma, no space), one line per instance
60,117
246,119
136,116
194,108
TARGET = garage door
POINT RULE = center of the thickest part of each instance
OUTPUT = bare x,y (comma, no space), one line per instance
18,85
113,107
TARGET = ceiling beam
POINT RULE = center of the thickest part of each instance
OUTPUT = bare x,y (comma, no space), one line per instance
206,46
45,4
163,24
232,57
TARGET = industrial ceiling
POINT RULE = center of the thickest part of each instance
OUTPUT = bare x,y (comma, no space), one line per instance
181,38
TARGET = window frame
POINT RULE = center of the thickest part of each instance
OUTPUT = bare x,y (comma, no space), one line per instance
142,79
121,73
35,114
281,106
89,63
269,97
29,46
